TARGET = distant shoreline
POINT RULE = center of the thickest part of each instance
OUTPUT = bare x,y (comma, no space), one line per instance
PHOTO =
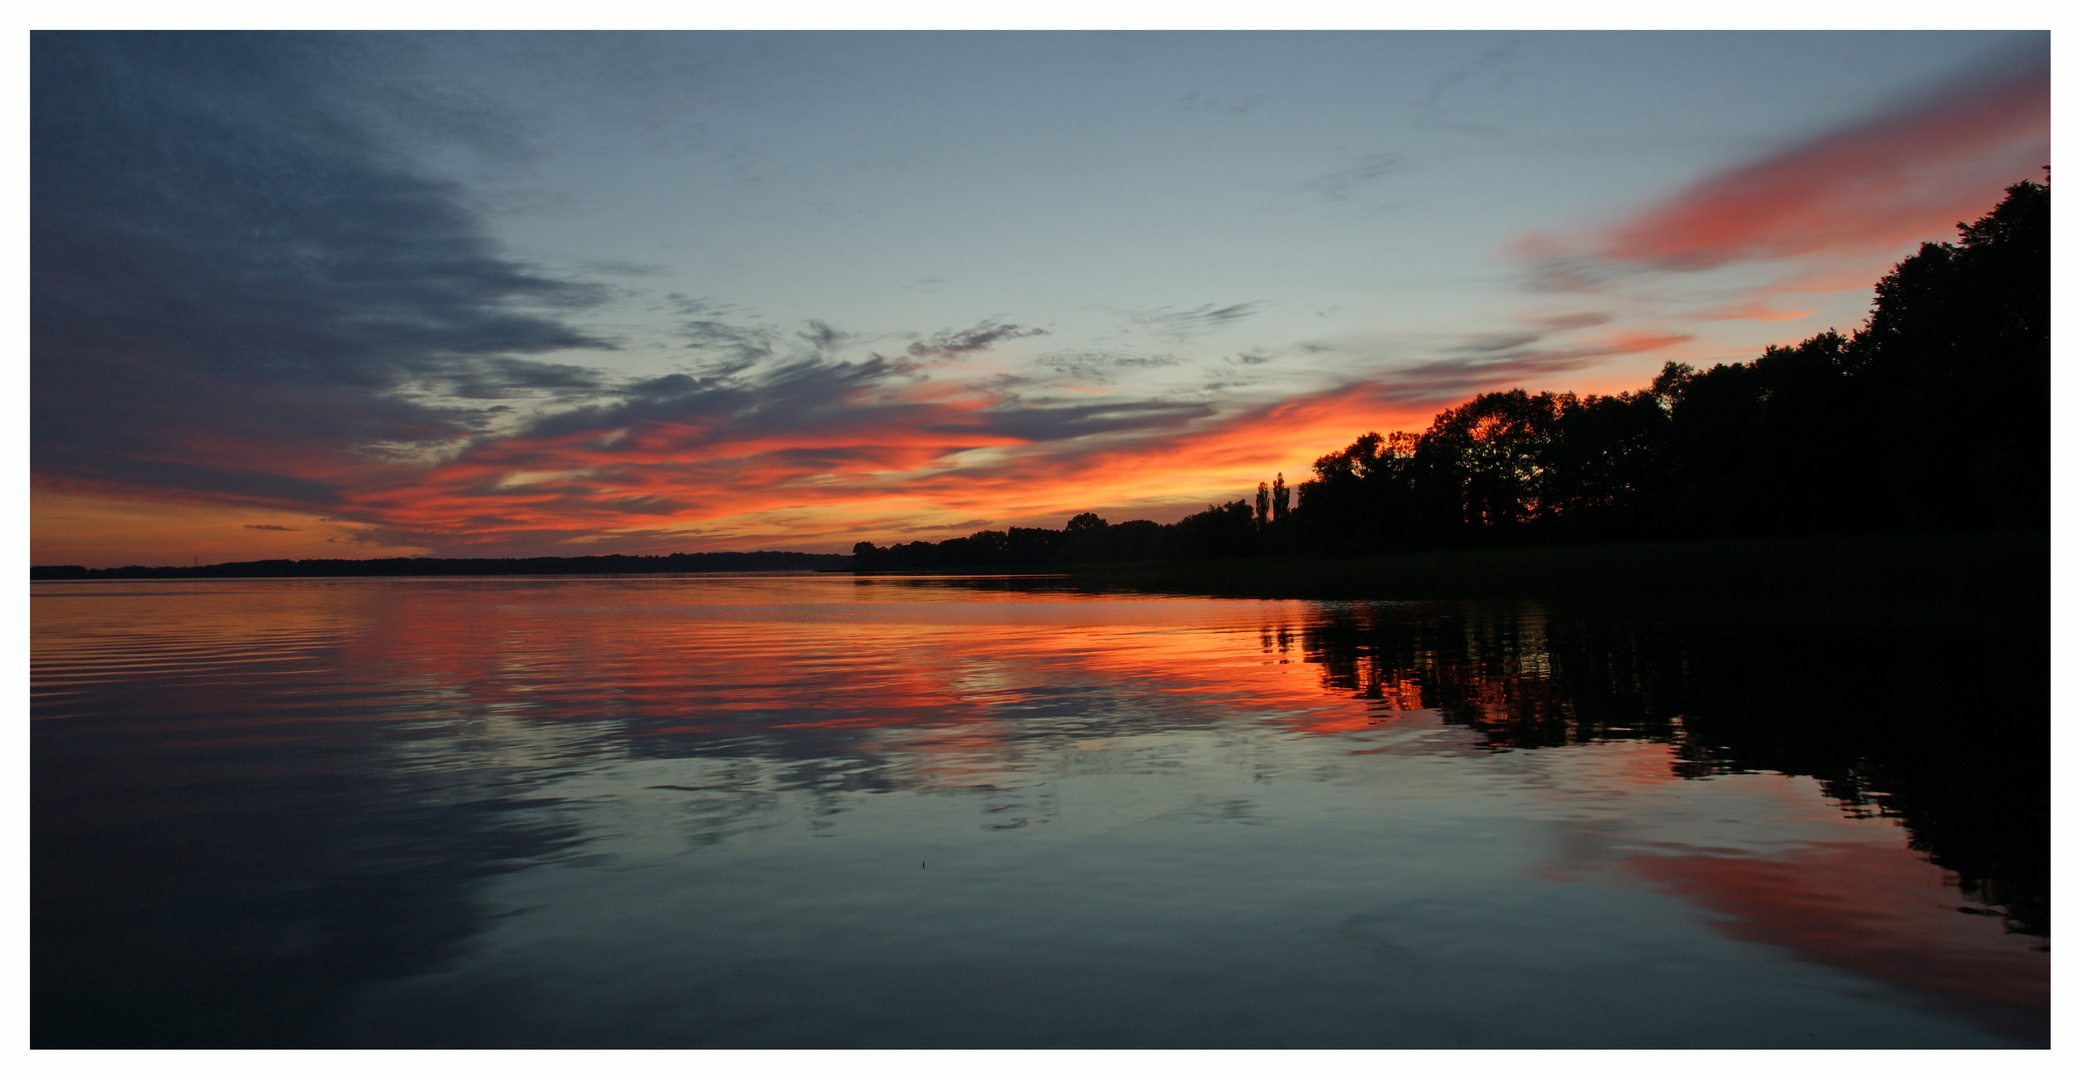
695,563
1919,573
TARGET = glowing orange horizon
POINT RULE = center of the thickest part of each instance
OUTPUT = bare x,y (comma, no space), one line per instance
926,467
661,487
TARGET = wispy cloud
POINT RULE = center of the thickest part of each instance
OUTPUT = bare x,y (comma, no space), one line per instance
737,345
1510,341
1337,186
1186,324
1450,379
625,267
1104,367
1895,177
952,343
1496,67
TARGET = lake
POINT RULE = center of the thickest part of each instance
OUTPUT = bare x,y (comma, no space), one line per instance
821,811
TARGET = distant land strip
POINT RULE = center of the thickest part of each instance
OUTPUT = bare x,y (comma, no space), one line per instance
697,563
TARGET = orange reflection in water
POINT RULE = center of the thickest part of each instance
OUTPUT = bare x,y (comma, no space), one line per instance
949,680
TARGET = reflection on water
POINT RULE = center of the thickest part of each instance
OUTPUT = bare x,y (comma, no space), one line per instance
820,811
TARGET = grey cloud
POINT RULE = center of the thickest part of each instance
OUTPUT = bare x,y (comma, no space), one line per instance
1571,275
1337,186
1185,324
1453,379
236,483
441,115
502,93
1510,341
810,390
1577,321
1102,366
702,307
272,528
505,377
1500,342
228,270
625,267
1055,423
799,393
950,343
1497,67
819,394
821,335
1459,377
742,346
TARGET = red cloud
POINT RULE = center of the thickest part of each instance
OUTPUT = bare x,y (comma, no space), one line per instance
1891,179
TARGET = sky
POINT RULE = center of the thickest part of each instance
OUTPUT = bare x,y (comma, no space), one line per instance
357,295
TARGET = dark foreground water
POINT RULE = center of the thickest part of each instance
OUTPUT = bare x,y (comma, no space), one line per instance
815,811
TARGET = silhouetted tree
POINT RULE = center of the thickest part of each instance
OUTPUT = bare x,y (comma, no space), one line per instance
1486,458
1961,337
1225,531
1084,539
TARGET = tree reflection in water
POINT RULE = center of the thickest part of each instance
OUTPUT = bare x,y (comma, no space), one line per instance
1945,732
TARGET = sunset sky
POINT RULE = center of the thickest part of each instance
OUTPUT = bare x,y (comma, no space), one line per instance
357,295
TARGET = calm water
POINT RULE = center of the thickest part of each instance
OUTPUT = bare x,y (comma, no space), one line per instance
815,811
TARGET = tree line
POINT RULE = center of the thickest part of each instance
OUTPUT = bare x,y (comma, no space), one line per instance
1935,414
